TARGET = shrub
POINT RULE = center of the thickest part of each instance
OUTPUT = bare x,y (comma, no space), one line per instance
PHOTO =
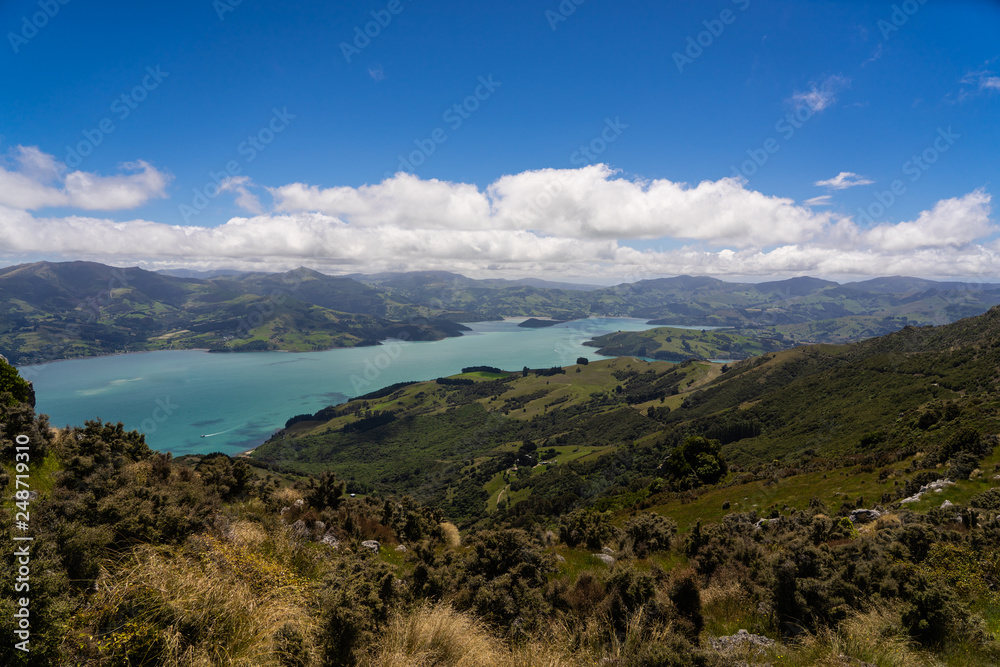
698,460
987,500
649,532
933,612
591,529
686,596
13,388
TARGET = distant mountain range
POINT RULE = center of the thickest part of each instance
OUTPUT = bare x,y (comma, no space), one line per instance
59,310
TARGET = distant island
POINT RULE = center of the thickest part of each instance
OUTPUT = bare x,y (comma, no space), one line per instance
536,323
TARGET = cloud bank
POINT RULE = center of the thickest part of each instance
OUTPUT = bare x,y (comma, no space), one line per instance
573,223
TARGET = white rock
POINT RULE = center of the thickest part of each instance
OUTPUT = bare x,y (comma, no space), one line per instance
605,558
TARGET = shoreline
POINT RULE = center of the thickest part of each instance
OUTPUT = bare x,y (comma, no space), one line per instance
39,364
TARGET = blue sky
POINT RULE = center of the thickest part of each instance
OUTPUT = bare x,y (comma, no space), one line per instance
745,138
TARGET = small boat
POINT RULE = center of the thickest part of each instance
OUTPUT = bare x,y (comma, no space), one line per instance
204,436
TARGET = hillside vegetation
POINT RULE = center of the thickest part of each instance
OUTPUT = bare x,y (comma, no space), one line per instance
59,310
673,344
840,504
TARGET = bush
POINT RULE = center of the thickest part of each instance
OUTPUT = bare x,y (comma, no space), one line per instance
987,500
686,596
13,388
933,612
698,460
649,532
591,529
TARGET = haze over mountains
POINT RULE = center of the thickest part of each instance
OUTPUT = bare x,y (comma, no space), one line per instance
70,309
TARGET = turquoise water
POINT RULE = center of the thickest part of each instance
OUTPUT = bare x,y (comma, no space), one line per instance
239,400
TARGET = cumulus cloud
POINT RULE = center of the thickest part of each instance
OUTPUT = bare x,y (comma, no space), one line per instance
564,223
37,180
820,95
951,223
940,242
844,180
590,202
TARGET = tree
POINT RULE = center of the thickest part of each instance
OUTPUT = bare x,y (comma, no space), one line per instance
10,382
583,361
328,493
695,462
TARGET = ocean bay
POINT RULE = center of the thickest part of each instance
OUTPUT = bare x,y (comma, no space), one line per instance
189,402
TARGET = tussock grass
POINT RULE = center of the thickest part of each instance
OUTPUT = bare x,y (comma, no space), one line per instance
286,496
451,534
872,636
439,636
161,607
727,608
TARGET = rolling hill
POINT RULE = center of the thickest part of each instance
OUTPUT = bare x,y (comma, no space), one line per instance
58,310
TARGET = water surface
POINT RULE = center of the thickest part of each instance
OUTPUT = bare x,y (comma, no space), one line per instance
238,400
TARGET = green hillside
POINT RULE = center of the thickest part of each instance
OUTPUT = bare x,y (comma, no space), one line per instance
53,311
672,344
616,512
59,310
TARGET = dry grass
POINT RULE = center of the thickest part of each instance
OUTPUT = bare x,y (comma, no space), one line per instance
287,496
451,534
873,636
439,636
177,611
881,523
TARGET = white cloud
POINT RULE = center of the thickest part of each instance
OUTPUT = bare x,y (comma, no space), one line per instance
875,56
822,95
590,202
39,181
844,180
983,80
245,199
940,242
953,222
563,223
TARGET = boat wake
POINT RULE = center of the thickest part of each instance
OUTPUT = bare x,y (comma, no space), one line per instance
209,435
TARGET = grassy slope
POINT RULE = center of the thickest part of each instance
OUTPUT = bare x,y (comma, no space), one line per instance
672,344
827,417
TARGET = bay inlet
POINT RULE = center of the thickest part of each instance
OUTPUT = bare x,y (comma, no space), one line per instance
193,402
